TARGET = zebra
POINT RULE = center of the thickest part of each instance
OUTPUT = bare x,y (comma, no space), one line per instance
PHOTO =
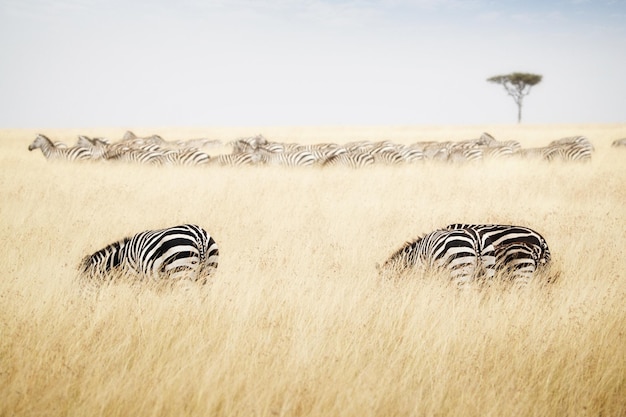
574,148
569,152
245,145
498,152
290,159
410,154
186,156
98,147
581,140
185,251
518,250
138,156
389,157
461,155
351,159
453,250
51,152
239,159
359,146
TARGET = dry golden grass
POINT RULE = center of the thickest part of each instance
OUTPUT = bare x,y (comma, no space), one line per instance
296,321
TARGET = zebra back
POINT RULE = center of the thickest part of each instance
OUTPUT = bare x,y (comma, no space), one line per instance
503,239
454,251
185,251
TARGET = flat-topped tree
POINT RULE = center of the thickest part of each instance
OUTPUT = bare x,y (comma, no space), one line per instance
517,85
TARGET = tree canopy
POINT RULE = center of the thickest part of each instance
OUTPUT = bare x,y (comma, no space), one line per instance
517,85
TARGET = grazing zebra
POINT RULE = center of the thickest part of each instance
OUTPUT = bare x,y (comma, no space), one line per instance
518,250
453,250
185,251
51,152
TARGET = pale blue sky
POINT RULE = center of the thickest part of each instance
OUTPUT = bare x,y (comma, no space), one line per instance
122,63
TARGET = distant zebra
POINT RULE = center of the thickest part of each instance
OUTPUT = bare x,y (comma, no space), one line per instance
185,251
154,157
389,157
574,148
410,154
351,159
453,250
186,156
498,152
288,159
51,152
97,146
519,251
570,152
240,159
465,155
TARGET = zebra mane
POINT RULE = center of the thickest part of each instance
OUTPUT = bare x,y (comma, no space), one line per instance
44,137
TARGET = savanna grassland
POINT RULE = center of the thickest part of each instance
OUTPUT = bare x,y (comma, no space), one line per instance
296,322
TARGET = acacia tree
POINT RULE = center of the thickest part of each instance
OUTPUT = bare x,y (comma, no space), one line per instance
517,85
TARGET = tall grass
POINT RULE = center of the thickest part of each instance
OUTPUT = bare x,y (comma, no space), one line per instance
296,321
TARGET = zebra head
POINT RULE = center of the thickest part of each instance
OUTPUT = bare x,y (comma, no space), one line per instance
39,142
84,142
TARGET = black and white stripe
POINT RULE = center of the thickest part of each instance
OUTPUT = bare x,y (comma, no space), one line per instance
455,251
351,159
519,251
288,159
187,157
52,152
185,251
239,159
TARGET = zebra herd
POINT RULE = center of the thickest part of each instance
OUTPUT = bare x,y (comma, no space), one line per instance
257,150
467,253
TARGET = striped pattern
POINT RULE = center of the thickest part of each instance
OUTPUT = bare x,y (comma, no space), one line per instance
257,150
185,251
455,251
519,251
52,152
352,160
288,159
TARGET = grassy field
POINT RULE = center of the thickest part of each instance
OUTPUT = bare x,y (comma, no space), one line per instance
296,322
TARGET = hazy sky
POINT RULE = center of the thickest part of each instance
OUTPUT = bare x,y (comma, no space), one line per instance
83,63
